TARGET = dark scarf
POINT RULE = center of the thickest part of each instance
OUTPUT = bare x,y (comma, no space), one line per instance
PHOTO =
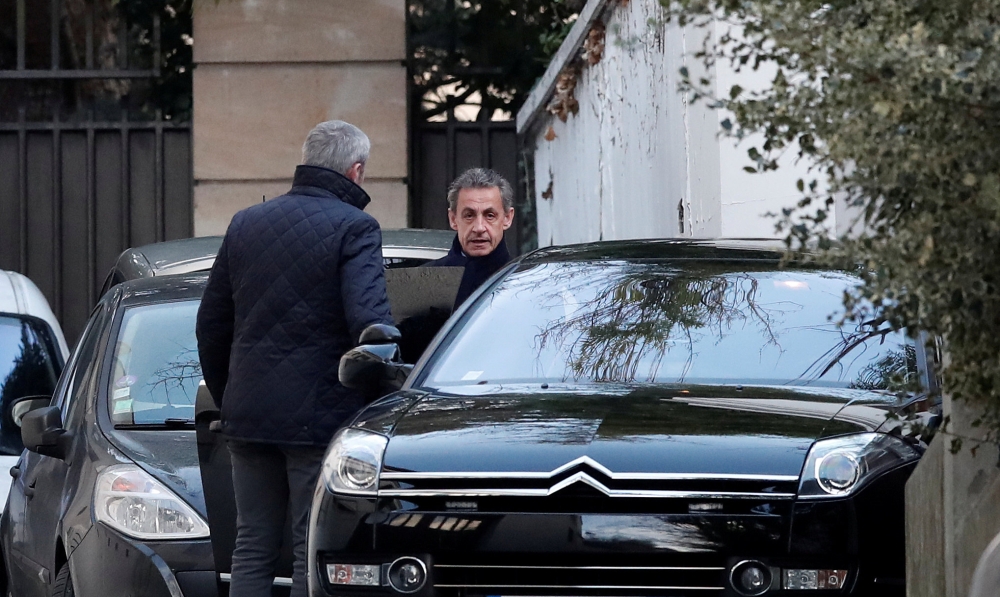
477,269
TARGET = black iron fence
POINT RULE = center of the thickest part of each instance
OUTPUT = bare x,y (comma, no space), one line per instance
87,166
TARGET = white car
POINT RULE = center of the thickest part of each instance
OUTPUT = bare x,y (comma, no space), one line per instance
32,354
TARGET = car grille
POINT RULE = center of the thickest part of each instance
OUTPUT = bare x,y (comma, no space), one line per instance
585,479
607,575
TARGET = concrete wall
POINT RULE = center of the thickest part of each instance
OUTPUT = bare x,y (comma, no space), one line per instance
638,151
267,71
953,508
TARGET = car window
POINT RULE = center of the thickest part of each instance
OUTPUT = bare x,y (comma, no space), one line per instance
660,323
155,371
85,374
66,380
29,366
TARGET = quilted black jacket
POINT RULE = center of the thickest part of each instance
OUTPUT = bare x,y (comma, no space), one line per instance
295,282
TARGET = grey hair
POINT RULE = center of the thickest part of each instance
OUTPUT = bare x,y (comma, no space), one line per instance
336,145
481,178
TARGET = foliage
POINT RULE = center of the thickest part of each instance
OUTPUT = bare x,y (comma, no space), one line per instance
171,92
106,35
494,49
896,102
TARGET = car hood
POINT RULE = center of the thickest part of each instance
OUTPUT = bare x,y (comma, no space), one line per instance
169,455
695,429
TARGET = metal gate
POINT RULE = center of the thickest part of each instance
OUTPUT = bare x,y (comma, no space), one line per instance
77,187
443,150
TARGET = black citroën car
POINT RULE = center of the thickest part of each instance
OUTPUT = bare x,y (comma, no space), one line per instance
631,418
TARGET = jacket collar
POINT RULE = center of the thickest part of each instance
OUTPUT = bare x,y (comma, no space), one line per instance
316,181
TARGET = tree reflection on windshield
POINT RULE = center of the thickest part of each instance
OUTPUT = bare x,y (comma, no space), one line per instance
635,320
179,378
696,322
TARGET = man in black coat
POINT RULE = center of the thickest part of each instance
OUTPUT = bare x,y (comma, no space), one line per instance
480,209
295,282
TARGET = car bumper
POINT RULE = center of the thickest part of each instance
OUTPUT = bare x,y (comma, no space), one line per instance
107,563
635,553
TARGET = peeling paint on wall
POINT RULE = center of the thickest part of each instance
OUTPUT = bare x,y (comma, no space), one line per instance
634,158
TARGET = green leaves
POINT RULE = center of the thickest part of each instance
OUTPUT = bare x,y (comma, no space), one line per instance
897,105
494,50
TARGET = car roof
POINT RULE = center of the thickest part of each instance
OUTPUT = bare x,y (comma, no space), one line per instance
20,296
198,254
662,249
161,289
170,257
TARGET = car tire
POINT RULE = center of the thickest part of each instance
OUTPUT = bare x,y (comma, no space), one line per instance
63,585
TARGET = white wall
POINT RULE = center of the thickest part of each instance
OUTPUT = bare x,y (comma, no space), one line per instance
637,148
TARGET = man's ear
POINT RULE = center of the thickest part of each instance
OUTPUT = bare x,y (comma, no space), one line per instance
508,218
452,220
356,173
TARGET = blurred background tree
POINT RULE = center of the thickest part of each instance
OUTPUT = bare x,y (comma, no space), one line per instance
482,55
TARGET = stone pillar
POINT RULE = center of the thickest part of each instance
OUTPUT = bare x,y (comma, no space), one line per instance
267,71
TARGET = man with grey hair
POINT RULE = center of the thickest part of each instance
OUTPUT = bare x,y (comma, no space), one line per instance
480,209
295,282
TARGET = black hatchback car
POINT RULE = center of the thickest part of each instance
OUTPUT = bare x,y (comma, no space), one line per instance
633,418
108,498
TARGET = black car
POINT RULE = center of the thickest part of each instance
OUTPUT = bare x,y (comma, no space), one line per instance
629,418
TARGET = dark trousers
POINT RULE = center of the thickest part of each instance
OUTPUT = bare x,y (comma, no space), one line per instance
270,482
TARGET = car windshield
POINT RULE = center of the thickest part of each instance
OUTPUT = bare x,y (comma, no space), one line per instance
671,323
156,369
28,367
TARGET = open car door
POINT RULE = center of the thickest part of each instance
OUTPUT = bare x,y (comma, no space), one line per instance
421,299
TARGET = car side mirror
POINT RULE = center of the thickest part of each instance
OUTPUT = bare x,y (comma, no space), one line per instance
26,404
380,333
42,432
373,369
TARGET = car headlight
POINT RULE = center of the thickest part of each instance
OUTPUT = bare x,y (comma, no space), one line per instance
354,461
130,500
839,466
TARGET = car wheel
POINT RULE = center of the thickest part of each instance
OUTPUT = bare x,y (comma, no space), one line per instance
63,586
